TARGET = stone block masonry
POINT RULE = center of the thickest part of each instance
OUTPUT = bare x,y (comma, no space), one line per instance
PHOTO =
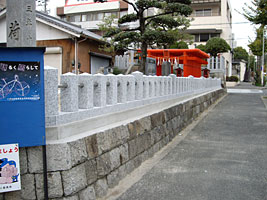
86,167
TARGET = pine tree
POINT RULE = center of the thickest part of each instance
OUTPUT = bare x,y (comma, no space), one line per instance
143,30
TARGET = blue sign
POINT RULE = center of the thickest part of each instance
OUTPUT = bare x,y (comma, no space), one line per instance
22,117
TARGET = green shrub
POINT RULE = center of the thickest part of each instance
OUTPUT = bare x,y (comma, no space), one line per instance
116,71
232,78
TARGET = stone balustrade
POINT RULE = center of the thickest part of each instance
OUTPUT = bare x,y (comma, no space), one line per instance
84,96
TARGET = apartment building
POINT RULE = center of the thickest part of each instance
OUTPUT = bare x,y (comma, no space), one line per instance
212,18
89,14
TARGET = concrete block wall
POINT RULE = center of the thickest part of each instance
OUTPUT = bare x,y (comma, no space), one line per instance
86,168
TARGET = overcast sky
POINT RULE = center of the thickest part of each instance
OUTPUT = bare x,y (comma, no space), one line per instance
242,31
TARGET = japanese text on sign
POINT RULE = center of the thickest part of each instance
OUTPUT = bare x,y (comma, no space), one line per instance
9,168
19,81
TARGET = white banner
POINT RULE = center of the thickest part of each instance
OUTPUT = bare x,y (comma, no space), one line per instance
9,168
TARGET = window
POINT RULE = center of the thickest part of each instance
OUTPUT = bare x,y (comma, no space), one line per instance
74,18
89,17
204,37
199,13
77,18
203,12
207,12
196,38
84,18
107,14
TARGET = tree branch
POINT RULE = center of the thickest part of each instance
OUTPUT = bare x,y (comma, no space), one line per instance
154,16
132,4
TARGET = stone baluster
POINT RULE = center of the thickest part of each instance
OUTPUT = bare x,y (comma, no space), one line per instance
157,86
112,87
151,86
51,90
146,87
122,88
173,83
139,85
85,91
130,87
69,93
100,90
217,63
178,85
162,88
166,88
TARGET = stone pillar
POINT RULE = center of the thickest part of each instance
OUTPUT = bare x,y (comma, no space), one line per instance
112,89
173,83
184,84
178,85
100,90
146,87
217,63
189,82
122,88
157,86
161,80
165,83
131,88
21,23
151,86
85,91
169,79
69,95
139,85
51,90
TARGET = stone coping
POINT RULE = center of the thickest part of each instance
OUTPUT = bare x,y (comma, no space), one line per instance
79,129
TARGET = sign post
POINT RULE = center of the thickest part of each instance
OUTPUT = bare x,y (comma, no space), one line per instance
21,23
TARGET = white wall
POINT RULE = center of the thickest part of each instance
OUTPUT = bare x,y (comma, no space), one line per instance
53,58
45,32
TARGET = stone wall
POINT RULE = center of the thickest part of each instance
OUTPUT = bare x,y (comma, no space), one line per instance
86,168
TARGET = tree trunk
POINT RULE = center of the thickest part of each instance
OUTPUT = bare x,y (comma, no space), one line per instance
143,43
143,57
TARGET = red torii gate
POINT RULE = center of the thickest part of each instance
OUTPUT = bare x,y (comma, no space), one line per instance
192,59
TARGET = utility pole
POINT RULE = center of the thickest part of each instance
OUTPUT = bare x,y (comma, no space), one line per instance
262,61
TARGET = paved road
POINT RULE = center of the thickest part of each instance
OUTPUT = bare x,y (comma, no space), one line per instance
223,158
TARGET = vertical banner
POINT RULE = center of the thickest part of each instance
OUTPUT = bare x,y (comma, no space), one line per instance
9,168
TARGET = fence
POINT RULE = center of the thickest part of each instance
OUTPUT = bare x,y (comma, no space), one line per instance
216,64
85,96
125,61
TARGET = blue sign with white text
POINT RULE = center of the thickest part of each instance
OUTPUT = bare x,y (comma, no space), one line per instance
22,106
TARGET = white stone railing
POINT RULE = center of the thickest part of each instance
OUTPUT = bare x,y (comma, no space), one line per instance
85,96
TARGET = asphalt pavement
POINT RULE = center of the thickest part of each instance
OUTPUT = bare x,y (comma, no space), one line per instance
224,157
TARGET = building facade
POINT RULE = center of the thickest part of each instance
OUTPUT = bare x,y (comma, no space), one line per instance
69,48
212,18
